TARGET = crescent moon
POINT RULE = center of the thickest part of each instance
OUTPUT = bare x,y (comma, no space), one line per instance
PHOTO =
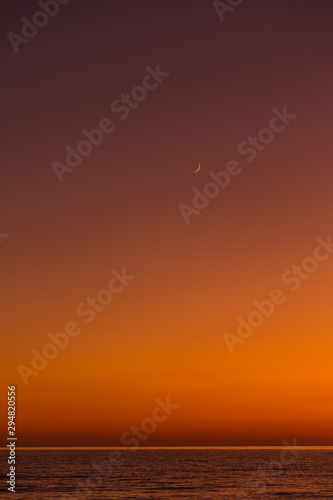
197,170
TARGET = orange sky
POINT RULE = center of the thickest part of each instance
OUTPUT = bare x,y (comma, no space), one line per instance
163,334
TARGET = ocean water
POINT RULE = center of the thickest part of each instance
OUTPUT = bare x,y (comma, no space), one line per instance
161,474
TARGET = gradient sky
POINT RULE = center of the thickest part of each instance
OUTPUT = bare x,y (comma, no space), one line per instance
163,335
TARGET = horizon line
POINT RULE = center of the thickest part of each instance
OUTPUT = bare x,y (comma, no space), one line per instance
129,448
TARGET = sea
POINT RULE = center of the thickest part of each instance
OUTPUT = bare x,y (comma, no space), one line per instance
163,474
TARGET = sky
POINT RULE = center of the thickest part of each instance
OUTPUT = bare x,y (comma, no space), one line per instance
119,210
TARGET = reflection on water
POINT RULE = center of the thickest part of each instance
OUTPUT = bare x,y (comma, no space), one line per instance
170,474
